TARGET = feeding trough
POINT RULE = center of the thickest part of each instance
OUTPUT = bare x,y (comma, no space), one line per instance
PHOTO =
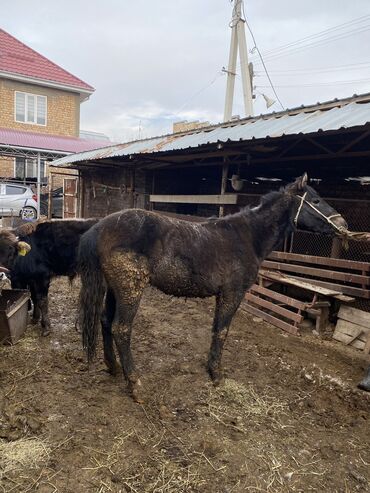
13,314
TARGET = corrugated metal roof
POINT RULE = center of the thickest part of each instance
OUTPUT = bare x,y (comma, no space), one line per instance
33,140
333,115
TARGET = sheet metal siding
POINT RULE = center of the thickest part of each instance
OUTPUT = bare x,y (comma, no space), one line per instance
349,115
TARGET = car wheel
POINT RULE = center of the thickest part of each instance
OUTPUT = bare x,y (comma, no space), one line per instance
29,213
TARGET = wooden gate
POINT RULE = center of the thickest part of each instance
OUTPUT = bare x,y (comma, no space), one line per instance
70,198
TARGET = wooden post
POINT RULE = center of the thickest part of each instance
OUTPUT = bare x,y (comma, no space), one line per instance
225,170
50,196
336,248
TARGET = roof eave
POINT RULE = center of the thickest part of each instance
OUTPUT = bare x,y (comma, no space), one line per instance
85,93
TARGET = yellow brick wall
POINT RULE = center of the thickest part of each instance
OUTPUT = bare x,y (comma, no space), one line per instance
63,109
6,167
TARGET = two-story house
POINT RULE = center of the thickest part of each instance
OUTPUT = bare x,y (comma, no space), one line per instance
39,111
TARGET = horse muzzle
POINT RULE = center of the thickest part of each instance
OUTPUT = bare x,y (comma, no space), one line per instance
340,222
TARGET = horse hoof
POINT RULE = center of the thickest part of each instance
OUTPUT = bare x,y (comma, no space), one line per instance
364,385
217,376
34,321
45,332
112,370
133,388
218,381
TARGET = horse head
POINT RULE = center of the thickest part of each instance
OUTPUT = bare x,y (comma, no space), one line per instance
10,247
313,212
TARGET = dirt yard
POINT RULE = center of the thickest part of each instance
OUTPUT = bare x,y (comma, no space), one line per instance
288,419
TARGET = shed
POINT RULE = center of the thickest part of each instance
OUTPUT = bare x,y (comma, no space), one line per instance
217,169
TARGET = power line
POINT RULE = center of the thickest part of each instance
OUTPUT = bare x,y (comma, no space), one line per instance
218,75
325,83
317,44
325,32
291,48
334,68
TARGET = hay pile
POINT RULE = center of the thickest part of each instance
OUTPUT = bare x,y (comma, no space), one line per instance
25,453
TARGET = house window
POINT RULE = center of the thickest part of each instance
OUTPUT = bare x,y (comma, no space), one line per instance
27,168
30,108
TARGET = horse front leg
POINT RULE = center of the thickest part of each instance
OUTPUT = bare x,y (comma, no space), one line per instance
106,323
226,306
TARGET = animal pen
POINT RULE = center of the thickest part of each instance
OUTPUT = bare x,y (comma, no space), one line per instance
217,170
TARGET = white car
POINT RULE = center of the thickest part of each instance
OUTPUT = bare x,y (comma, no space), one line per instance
17,200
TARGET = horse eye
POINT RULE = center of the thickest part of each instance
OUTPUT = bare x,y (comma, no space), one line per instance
316,201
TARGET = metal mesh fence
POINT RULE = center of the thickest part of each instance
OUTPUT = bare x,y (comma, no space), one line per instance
357,214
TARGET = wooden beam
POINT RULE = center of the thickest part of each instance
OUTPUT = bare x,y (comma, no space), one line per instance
355,141
316,272
227,198
269,305
269,318
225,171
319,146
282,298
313,259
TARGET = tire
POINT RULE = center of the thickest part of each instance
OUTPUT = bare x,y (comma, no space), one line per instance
29,213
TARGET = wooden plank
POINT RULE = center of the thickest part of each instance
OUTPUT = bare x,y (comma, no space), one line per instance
340,288
269,318
367,345
354,315
273,307
315,272
287,300
313,259
224,199
351,329
351,334
298,282
345,338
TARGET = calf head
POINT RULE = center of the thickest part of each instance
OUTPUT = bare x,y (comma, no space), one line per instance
10,247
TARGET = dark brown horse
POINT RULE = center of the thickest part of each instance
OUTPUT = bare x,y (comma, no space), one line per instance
218,257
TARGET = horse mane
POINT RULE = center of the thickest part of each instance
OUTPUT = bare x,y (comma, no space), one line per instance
266,200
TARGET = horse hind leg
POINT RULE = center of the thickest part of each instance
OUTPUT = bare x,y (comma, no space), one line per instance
106,323
127,275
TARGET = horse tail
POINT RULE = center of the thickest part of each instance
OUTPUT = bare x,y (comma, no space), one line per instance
92,291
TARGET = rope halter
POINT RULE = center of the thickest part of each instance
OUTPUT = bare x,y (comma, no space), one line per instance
340,229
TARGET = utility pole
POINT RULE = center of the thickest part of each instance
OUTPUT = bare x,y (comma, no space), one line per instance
238,40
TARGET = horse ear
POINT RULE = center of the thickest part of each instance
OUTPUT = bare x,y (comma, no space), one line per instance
298,185
302,181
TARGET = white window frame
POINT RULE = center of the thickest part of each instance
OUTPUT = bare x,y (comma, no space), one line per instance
33,162
27,95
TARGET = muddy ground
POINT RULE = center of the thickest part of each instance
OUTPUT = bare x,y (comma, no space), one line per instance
288,419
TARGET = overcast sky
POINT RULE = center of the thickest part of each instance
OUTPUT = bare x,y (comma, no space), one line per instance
156,62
